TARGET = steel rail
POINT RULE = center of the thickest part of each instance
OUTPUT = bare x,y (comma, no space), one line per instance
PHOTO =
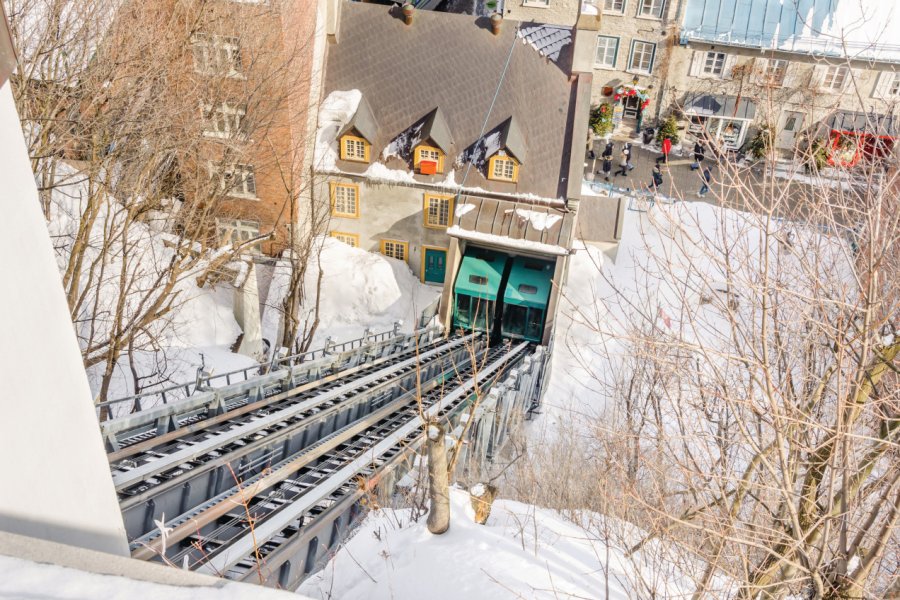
125,477
285,433
200,425
222,559
150,545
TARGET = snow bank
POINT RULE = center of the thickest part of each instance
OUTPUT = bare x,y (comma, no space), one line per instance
359,290
523,552
37,581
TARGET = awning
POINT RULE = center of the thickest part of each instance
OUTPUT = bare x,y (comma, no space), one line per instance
712,105
871,123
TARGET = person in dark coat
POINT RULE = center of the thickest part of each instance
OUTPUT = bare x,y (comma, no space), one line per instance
627,150
707,179
607,166
608,151
699,155
657,179
623,163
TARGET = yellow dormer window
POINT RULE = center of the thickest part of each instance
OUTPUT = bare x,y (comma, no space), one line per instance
428,154
503,168
354,148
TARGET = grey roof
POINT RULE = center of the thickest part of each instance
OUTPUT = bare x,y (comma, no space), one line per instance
511,138
435,128
455,62
548,40
716,105
363,122
505,218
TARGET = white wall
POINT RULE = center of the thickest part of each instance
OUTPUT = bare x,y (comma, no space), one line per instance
56,482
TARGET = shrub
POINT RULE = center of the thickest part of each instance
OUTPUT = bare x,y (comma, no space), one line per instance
601,119
668,131
761,143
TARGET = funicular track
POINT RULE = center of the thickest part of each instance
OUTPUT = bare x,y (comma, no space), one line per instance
243,488
285,500
182,473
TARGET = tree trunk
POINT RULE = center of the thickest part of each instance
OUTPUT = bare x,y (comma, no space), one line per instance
482,497
438,479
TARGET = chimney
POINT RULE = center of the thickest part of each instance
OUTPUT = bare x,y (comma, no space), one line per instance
496,22
408,10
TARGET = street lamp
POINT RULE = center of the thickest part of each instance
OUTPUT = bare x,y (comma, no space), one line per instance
634,81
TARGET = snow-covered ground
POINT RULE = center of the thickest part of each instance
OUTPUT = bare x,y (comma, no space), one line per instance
360,290
522,552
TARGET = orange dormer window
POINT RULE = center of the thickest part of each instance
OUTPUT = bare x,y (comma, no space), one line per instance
355,148
428,160
503,168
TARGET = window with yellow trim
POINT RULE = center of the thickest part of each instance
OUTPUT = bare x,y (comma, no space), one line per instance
438,210
428,153
354,148
351,239
344,200
395,249
503,168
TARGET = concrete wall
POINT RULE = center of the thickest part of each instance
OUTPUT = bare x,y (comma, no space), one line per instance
56,480
557,12
795,94
393,212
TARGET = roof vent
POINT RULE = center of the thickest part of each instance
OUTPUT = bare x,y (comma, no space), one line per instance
408,11
496,22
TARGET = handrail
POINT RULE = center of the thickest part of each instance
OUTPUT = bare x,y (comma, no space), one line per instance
207,381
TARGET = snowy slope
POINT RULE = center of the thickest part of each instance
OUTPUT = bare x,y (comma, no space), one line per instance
523,552
359,290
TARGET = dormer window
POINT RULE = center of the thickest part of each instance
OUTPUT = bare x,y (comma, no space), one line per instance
354,148
428,160
502,167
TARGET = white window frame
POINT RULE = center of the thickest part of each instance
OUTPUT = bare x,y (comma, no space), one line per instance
607,48
217,55
656,9
222,120
829,77
614,11
536,3
652,48
714,64
775,66
244,177
893,90
237,231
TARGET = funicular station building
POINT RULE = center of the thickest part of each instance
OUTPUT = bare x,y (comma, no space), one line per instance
455,144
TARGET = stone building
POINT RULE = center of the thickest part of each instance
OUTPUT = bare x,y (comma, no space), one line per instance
450,135
814,69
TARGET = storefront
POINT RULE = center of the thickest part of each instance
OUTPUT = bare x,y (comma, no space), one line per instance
726,119
630,102
855,137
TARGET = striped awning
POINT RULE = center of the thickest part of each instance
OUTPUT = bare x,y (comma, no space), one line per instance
714,105
858,122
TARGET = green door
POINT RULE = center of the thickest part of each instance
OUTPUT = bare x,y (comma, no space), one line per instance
435,265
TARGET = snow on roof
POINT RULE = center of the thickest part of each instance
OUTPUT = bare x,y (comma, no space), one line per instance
335,112
538,220
854,28
548,40
506,242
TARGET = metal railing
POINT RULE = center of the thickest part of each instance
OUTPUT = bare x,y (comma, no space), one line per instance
207,381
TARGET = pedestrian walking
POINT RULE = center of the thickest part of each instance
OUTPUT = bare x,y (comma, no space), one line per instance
657,180
623,163
707,179
608,151
607,167
627,150
666,148
699,155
